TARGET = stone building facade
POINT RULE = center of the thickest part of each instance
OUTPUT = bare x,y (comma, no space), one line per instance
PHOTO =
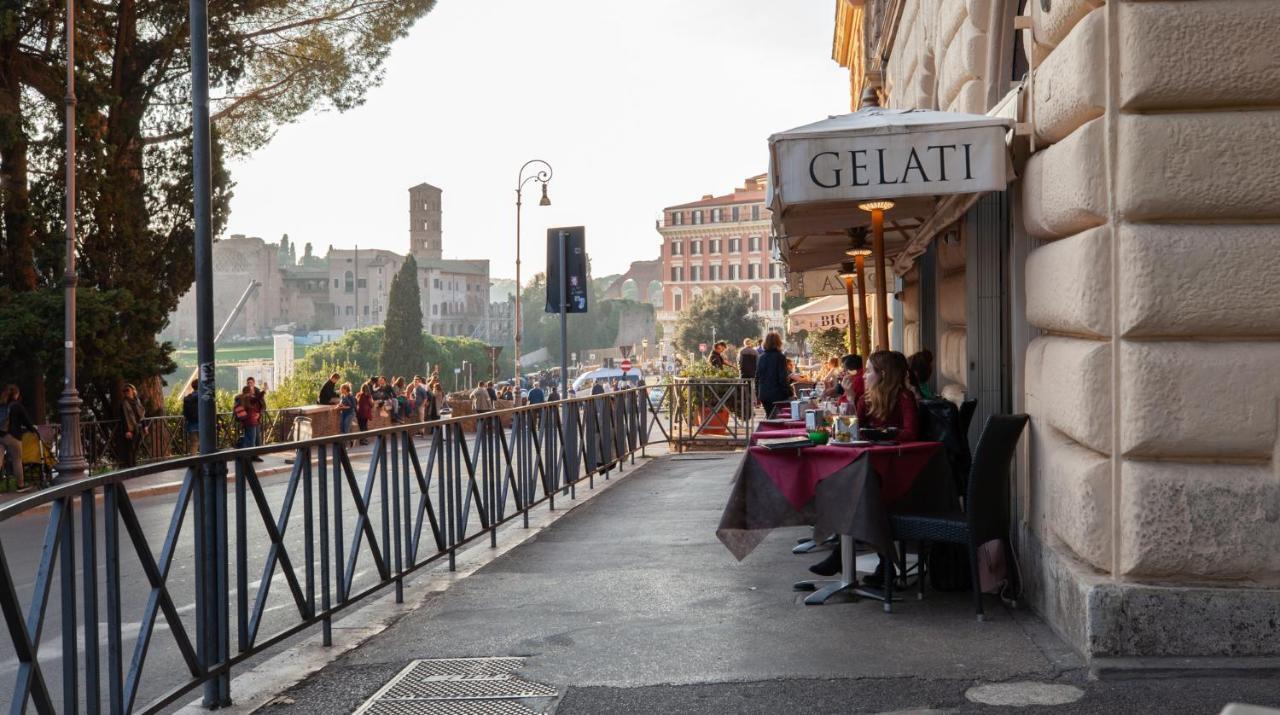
347,288
720,242
1123,291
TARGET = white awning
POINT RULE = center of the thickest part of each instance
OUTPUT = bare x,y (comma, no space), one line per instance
831,311
820,172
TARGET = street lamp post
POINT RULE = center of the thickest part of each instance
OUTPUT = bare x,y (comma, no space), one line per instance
71,461
542,176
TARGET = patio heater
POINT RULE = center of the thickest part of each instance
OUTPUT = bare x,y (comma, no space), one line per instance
877,209
859,252
847,273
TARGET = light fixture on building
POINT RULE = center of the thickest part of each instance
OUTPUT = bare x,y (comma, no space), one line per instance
881,205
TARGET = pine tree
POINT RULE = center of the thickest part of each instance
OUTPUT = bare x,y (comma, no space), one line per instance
403,354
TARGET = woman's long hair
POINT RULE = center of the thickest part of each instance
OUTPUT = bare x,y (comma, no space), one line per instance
883,396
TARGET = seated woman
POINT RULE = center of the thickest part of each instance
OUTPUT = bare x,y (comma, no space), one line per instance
852,380
888,400
919,373
829,380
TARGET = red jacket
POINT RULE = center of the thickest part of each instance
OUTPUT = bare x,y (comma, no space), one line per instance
364,406
903,416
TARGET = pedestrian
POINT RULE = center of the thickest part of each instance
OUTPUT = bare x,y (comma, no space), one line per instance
364,409
597,387
346,408
716,358
130,413
554,395
191,416
537,396
773,383
437,398
329,391
260,399
481,401
399,401
493,394
14,422
747,357
248,412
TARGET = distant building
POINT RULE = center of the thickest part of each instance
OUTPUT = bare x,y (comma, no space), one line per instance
347,288
720,242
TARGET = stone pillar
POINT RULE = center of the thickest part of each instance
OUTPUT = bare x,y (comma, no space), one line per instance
1155,495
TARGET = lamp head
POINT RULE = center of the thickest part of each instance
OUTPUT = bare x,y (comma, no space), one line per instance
882,205
847,270
544,201
857,242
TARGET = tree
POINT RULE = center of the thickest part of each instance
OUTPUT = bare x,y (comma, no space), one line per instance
728,311
402,352
271,62
832,341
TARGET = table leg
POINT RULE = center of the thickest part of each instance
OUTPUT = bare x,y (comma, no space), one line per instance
823,590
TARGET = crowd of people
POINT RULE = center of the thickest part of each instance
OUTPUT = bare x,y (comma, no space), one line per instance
417,400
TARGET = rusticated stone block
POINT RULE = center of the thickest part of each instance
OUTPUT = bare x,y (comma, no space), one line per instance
1064,190
1199,280
1078,482
1069,284
1192,521
1233,63
1068,385
1051,27
1198,166
1191,399
1070,87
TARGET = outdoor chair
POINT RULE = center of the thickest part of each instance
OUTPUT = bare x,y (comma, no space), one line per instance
985,514
967,408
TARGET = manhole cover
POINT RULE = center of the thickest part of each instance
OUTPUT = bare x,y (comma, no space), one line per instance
446,686
1023,694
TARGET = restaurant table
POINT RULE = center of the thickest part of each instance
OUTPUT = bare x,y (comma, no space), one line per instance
778,433
839,490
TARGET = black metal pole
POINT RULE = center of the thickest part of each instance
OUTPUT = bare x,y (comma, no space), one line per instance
211,632
71,461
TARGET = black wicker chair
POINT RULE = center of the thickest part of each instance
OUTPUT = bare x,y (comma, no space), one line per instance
967,408
986,507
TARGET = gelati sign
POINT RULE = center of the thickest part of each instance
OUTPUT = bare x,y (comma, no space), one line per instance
886,166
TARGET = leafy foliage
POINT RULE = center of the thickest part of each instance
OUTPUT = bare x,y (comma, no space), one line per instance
598,328
271,61
705,370
728,311
361,350
402,349
825,343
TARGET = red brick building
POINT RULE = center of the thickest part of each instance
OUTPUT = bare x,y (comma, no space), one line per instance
720,242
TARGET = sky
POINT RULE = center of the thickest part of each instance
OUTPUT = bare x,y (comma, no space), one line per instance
636,106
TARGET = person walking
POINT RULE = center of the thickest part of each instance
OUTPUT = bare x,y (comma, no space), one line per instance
747,358
130,413
14,422
248,412
191,416
481,400
773,383
260,399
493,394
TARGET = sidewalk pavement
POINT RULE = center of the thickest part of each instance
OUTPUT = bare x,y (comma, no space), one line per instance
629,604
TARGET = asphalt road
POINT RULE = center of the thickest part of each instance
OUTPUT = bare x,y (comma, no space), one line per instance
163,666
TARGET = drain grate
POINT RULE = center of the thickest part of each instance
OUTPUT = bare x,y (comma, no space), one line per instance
446,686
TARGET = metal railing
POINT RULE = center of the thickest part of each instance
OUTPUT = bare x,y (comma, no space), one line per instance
419,500
710,412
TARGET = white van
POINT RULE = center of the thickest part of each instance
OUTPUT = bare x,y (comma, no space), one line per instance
587,380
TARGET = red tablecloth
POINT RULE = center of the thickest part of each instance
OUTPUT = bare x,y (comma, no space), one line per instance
796,472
